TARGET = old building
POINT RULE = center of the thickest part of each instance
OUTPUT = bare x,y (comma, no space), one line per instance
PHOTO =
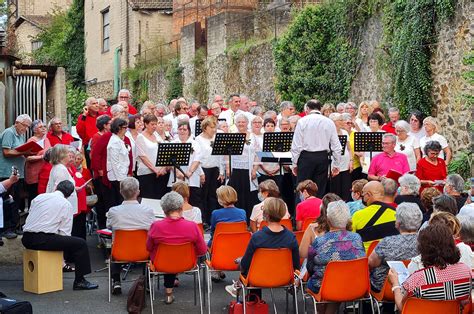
119,33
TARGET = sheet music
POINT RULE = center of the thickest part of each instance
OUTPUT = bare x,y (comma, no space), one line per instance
155,205
41,143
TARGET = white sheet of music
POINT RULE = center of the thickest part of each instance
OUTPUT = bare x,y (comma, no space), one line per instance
155,205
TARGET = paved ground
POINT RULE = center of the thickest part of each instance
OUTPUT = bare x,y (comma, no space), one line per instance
95,301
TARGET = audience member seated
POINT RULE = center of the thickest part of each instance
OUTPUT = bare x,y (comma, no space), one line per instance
267,188
466,234
190,212
130,215
442,203
319,227
339,243
273,236
399,247
426,198
454,187
4,186
447,219
226,197
48,227
310,204
409,188
356,194
377,220
388,160
431,170
390,188
443,276
174,229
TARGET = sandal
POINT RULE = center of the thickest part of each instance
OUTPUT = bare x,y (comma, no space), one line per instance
169,298
67,268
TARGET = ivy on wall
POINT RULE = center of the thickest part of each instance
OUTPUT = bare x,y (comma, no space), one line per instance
200,86
174,75
317,56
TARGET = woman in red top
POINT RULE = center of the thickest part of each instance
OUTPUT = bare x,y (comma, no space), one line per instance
309,207
43,176
431,170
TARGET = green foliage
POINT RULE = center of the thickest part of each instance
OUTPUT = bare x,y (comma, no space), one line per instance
200,86
174,75
137,78
75,100
63,42
461,164
410,32
317,56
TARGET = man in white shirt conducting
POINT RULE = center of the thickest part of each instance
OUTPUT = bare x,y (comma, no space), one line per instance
48,227
130,215
315,136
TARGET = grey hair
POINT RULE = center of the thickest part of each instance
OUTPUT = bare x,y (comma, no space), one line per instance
456,181
283,119
257,118
116,109
89,101
467,228
129,188
99,100
393,110
286,104
257,110
350,104
338,214
411,182
340,105
240,117
433,146
389,187
393,137
409,216
35,124
53,121
335,116
171,202
402,124
125,91
23,118
294,119
269,114
346,116
58,153
161,106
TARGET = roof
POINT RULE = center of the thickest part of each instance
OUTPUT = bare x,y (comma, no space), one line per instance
40,21
151,4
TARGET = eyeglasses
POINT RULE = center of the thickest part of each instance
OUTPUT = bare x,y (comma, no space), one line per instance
257,122
124,127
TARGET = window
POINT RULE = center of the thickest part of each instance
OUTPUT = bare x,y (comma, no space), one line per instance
105,30
36,45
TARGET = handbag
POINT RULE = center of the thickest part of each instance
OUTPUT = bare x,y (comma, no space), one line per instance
136,296
91,200
254,305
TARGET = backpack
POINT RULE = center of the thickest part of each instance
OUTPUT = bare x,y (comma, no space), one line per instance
10,306
136,296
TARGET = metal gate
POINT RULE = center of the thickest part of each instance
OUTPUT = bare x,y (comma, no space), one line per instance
30,94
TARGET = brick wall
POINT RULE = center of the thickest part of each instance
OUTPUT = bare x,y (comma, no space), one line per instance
41,7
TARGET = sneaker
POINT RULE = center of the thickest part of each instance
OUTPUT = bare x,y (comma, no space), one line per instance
9,235
116,287
233,289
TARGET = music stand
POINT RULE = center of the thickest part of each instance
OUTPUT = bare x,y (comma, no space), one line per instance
198,129
173,154
368,142
277,142
343,141
228,144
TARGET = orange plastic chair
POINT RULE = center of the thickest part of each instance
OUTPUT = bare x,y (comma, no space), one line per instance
299,236
284,222
201,228
372,247
307,222
386,294
129,246
230,227
226,248
174,259
270,268
335,287
423,306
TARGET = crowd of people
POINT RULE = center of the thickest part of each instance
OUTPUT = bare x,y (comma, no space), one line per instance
343,201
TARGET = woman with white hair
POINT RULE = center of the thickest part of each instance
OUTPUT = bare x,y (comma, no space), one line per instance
398,247
337,244
409,188
407,144
431,127
341,184
243,175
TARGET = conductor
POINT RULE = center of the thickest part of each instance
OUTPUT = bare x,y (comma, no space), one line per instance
315,136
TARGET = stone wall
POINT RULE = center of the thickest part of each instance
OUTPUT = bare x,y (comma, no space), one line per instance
104,89
188,49
157,86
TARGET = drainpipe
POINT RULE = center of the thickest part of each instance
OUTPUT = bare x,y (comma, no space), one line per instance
117,52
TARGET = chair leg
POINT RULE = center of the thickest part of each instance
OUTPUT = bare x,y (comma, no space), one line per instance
208,285
273,301
295,299
200,290
194,278
108,282
151,290
243,299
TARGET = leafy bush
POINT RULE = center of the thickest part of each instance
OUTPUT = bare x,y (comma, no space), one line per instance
462,164
75,100
174,75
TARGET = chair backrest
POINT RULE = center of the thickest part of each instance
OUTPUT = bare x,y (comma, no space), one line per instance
422,306
230,227
130,246
299,236
226,247
345,280
201,228
372,247
271,268
307,222
175,258
284,222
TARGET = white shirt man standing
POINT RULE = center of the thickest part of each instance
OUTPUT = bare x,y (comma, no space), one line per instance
234,111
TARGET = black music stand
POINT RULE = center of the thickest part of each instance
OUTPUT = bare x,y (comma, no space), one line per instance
228,144
343,141
368,142
277,142
173,154
198,129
